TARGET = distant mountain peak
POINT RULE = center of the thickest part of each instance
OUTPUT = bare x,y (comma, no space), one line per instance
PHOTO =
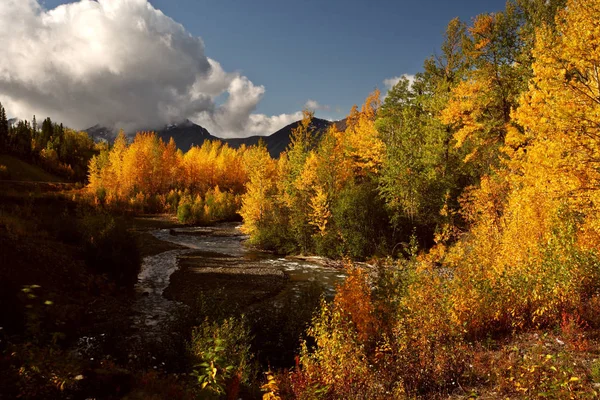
187,133
186,123
279,141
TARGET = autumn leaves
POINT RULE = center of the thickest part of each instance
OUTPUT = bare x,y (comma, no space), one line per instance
201,186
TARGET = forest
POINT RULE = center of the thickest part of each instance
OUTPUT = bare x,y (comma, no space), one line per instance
463,207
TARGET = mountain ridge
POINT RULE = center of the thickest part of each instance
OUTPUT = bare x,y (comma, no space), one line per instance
188,134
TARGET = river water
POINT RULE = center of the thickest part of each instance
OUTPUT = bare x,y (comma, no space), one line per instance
152,310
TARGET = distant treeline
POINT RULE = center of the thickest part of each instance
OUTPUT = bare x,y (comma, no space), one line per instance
147,175
59,150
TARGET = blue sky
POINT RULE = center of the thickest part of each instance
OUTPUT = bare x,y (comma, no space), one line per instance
236,67
334,52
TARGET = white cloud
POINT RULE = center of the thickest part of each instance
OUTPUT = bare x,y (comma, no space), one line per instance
391,82
263,123
120,63
236,114
314,105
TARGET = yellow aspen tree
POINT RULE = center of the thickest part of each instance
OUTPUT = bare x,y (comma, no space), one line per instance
561,116
362,141
191,169
539,216
171,160
117,183
96,169
480,106
296,192
320,213
258,201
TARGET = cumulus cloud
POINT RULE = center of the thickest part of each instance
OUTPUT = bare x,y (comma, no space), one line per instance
120,63
391,82
236,114
314,105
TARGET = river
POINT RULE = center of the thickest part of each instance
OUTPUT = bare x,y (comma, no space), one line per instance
215,256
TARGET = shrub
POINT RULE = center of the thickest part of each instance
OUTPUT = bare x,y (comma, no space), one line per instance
101,195
184,209
338,366
197,211
360,217
109,249
222,354
541,369
4,172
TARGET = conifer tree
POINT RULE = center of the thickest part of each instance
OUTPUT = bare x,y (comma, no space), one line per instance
46,133
3,129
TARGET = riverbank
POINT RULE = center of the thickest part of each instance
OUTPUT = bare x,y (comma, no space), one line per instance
63,313
81,329
217,277
142,228
222,279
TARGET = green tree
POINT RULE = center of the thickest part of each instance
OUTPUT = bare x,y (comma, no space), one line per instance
361,220
422,172
20,138
3,129
295,193
46,133
480,106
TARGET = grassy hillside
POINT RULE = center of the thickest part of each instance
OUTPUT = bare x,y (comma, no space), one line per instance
55,289
14,169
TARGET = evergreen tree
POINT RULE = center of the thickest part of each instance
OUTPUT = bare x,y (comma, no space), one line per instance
3,129
20,138
46,133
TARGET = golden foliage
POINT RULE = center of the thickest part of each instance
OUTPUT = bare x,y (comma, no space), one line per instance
361,139
258,201
149,174
530,256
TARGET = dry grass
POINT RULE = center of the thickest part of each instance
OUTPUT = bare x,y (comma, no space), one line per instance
18,170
